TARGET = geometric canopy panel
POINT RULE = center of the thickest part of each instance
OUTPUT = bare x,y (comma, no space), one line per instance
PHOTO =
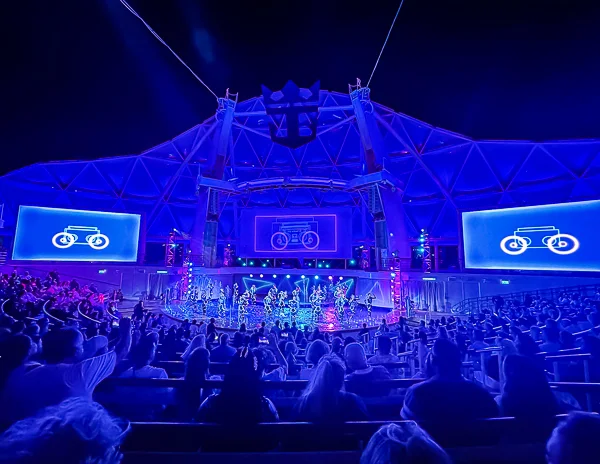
442,172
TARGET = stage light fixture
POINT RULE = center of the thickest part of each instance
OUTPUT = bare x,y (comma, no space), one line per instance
251,275
239,259
288,276
303,277
320,265
261,276
316,277
391,234
327,266
310,264
274,276
393,274
330,277
251,263
341,278
352,262
264,265
243,264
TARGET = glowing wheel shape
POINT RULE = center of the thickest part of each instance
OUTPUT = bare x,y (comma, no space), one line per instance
513,248
284,239
97,241
556,242
307,239
63,240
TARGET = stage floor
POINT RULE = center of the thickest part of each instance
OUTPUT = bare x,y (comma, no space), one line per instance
328,320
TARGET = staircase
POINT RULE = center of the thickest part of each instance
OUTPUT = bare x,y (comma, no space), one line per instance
472,306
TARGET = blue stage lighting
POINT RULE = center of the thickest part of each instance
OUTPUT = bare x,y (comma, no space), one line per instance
251,275
264,265
288,276
341,278
352,262
243,264
251,263
316,277
261,276
274,276
320,265
303,277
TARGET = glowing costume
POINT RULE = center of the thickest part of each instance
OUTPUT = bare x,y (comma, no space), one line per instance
369,304
222,304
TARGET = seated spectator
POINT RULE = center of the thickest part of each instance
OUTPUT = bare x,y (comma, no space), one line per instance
241,400
573,441
384,348
403,444
447,396
141,358
526,391
337,347
191,395
294,367
72,432
551,338
223,352
64,375
362,378
301,339
270,355
315,351
15,350
238,340
324,399
479,340
199,341
526,346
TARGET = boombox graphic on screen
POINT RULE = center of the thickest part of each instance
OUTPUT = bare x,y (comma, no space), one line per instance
72,235
295,235
539,237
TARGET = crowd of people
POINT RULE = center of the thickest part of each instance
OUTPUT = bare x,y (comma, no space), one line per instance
49,371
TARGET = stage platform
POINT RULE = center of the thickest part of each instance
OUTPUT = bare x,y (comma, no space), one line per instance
328,321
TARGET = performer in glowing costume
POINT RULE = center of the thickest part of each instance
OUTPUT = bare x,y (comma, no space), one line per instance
353,304
295,303
222,303
227,293
236,292
253,294
242,307
369,304
204,302
340,301
281,302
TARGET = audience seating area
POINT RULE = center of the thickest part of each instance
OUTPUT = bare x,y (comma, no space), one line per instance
487,388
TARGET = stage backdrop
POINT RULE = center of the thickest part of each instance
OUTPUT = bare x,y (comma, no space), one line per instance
55,234
560,237
314,233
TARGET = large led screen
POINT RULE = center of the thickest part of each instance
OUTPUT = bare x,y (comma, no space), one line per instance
324,233
53,234
560,237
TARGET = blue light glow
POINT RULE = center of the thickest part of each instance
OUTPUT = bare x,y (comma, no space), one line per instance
558,237
56,234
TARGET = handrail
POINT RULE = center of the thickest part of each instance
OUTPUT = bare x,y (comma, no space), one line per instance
50,316
290,385
569,357
474,305
94,321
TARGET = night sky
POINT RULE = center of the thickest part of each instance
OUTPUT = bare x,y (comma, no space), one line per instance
84,79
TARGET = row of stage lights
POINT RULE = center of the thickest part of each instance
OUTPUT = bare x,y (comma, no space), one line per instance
319,265
289,277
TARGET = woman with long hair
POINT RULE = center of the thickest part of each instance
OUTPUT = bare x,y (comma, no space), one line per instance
324,399
191,394
241,400
199,341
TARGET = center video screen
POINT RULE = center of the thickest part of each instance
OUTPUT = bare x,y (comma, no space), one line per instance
56,234
296,233
559,237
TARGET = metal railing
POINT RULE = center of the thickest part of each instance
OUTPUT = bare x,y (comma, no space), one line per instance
475,305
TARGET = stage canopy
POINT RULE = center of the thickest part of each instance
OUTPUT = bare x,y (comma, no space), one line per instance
442,173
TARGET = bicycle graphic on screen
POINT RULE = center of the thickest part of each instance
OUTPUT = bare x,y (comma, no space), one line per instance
70,236
550,237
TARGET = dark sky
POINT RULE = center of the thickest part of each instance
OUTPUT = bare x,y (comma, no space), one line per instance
84,78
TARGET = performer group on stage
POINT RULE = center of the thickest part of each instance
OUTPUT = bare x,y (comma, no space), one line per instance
277,303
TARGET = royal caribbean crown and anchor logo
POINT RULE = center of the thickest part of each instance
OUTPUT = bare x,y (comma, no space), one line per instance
293,114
